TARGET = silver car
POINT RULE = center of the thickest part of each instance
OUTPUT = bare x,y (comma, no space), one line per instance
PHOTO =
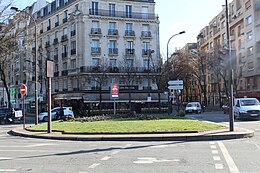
55,112
193,107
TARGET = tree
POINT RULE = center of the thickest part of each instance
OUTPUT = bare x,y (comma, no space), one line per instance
9,35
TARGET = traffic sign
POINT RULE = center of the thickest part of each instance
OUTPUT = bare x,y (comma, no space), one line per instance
175,87
114,90
175,82
23,89
12,91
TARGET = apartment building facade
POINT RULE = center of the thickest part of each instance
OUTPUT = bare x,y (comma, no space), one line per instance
94,44
244,41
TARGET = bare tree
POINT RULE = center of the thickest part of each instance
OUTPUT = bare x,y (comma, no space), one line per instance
9,35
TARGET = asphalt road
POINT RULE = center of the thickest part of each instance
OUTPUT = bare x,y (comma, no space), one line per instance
18,154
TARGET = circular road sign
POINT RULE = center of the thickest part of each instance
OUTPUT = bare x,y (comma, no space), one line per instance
23,89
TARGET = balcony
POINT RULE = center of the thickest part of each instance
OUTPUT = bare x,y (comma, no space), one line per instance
112,32
95,31
64,38
56,74
64,55
47,44
121,14
95,50
64,73
129,51
55,41
146,52
65,20
129,33
48,28
113,51
73,51
56,24
146,34
73,33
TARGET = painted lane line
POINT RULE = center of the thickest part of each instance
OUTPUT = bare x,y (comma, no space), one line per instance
128,145
94,165
216,158
214,151
219,166
160,146
213,146
114,152
8,170
230,162
106,158
6,158
212,143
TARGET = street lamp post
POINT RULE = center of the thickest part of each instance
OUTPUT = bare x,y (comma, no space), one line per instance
230,81
35,60
167,64
149,83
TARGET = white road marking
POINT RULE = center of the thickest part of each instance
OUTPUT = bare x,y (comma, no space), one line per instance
160,146
149,160
216,158
231,164
6,158
257,129
106,158
114,152
128,145
94,165
8,170
28,146
214,151
212,143
213,146
219,166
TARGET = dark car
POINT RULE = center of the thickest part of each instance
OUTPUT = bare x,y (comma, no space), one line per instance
9,115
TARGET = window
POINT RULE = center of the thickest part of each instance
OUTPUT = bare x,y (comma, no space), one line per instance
239,5
249,35
146,46
145,63
65,48
49,24
223,24
57,4
56,34
130,62
49,8
224,38
128,11
56,86
56,68
95,8
65,2
250,51
129,27
112,25
112,62
95,62
95,43
112,44
211,33
56,52
239,44
57,20
112,8
129,45
65,66
65,31
248,4
65,16
145,27
145,12
73,64
95,24
73,27
65,84
211,45
249,20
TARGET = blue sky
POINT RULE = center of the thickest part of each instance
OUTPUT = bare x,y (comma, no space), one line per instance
175,16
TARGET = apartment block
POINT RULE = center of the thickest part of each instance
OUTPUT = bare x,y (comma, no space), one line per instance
93,44
244,41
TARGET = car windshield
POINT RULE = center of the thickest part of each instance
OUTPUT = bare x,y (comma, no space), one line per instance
252,102
192,105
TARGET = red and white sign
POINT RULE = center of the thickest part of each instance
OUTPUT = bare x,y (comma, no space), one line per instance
114,90
23,89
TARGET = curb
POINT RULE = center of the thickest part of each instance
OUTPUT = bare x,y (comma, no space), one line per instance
204,136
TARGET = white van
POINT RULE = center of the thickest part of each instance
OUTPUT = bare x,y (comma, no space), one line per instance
246,108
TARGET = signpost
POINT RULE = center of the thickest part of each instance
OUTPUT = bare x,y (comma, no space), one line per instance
114,94
175,85
23,91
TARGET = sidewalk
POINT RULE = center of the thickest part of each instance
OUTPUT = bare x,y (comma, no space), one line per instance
220,134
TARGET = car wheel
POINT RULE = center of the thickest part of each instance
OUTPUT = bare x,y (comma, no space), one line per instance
45,119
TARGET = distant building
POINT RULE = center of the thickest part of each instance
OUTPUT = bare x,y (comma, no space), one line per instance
93,44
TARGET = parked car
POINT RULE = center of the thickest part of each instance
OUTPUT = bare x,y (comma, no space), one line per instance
56,114
10,115
193,107
246,108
